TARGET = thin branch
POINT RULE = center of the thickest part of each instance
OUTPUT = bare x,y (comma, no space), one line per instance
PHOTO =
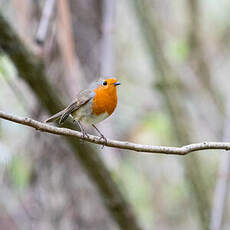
113,143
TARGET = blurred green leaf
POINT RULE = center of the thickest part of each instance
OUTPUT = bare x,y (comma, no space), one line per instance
157,121
20,172
138,190
158,127
178,50
6,67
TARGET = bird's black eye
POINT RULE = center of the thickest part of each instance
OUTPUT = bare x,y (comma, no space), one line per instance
104,82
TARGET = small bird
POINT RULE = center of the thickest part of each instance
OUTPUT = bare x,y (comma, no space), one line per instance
92,105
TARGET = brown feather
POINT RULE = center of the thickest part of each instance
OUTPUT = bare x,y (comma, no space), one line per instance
55,116
82,98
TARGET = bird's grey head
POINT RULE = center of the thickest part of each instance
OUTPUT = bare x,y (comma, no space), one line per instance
104,82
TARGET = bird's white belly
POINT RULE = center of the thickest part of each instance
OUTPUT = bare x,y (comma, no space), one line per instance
85,115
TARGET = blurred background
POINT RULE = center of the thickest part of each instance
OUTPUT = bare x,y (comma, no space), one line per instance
173,61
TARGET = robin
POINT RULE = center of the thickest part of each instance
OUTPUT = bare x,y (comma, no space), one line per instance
92,105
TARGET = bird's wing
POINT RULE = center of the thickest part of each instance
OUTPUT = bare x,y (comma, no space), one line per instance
55,116
82,98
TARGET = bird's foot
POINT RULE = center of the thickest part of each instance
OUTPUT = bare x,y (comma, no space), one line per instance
103,138
84,137
84,133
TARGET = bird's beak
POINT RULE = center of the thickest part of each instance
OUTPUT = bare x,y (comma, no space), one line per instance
117,83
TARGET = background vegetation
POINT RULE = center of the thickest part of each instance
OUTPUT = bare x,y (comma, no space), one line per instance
172,58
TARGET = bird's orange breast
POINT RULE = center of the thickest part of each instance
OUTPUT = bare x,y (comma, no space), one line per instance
105,100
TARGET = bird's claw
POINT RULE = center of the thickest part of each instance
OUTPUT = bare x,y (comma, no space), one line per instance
84,136
105,141
84,133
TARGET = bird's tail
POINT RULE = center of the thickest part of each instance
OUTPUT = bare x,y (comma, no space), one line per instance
55,116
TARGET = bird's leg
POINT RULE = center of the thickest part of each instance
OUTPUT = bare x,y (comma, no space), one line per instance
84,133
102,136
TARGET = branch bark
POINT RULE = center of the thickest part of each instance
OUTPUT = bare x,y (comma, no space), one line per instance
186,149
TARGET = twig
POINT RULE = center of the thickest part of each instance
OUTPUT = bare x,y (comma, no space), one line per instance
113,143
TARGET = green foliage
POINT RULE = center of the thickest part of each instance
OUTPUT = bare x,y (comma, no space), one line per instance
20,172
175,195
7,70
157,124
178,50
138,191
